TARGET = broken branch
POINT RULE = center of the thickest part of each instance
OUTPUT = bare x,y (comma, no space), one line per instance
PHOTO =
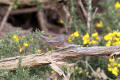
73,51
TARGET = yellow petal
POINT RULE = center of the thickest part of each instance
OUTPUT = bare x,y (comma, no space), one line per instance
100,24
117,5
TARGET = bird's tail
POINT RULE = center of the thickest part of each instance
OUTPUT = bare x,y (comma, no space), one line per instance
43,37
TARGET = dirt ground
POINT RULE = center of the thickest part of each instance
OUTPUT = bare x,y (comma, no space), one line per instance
8,28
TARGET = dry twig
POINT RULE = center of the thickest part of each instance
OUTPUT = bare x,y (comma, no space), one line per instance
23,11
94,14
6,17
83,8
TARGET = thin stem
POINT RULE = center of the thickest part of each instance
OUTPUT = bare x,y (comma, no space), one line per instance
89,16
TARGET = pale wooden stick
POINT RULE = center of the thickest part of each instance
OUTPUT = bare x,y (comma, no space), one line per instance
89,15
94,14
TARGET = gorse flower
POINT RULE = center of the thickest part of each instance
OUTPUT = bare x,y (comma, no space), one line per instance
93,42
61,21
115,71
76,34
114,65
86,39
99,24
39,50
87,73
76,67
117,5
80,71
90,40
15,37
49,51
56,78
50,36
86,36
108,37
111,60
25,44
20,49
52,71
73,36
112,38
95,35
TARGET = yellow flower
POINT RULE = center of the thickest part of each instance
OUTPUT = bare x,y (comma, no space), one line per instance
108,43
118,34
118,65
69,39
18,46
118,58
50,51
25,44
109,36
97,38
50,36
76,34
87,73
117,5
100,24
86,36
15,37
93,42
116,39
114,63
86,42
116,43
114,33
111,60
94,34
52,71
39,51
61,21
20,50
72,36
110,69
56,78
62,78
115,71
80,72
76,67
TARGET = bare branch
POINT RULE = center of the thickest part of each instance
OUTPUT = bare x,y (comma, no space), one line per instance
83,8
5,17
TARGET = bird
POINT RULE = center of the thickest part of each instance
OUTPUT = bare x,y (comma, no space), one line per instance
58,41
